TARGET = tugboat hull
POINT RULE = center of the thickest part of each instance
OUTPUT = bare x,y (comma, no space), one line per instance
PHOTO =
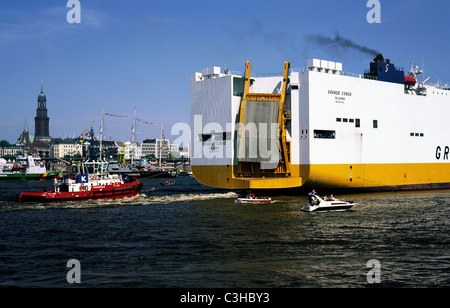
126,190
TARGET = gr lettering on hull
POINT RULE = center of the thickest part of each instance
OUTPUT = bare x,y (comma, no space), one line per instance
442,154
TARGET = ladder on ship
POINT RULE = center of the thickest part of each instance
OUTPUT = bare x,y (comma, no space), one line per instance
252,169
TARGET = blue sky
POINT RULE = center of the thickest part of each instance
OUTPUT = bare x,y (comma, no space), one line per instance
127,54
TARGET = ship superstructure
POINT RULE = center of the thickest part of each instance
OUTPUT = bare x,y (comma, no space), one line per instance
320,127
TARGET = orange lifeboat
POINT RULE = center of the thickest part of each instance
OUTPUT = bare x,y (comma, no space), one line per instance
410,81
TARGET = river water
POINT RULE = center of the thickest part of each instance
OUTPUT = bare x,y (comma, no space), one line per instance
192,236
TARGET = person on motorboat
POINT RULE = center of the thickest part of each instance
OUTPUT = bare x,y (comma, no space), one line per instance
312,198
251,195
331,198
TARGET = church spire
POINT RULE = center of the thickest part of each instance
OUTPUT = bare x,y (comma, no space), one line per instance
42,99
41,121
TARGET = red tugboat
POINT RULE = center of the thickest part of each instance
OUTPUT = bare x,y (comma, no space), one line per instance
83,187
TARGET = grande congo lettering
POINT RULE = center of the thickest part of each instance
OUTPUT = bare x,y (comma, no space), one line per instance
247,297
444,154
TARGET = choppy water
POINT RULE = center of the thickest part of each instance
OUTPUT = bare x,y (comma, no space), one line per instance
189,235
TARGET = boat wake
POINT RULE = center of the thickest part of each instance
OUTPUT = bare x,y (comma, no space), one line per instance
183,197
145,198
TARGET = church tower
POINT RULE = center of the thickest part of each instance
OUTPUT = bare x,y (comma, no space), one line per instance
41,121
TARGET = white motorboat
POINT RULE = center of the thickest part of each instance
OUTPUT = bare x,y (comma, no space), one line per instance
253,201
317,204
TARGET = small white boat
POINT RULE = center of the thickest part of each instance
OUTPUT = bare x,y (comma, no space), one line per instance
317,204
253,201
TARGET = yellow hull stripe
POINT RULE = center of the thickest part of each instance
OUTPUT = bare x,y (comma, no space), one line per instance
328,175
221,176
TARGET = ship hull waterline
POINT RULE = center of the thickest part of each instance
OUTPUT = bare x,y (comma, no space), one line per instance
367,177
102,192
29,177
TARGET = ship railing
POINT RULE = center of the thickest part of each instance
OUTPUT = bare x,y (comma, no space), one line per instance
260,75
304,69
438,85
298,69
236,73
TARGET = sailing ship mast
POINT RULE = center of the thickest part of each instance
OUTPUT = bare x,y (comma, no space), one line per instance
101,136
132,140
160,145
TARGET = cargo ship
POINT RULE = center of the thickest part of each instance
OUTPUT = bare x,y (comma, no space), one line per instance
319,126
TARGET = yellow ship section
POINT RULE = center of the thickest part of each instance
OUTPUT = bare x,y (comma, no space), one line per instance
222,177
378,175
334,176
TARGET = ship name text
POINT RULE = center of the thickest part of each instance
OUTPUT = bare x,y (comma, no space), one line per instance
442,153
339,96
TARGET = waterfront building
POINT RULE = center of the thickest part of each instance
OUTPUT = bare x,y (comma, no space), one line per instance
12,150
156,147
133,151
109,149
26,139
183,153
63,148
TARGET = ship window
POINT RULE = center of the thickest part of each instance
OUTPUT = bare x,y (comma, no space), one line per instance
357,123
351,120
345,120
325,134
338,120
416,134
375,123
217,137
238,86
204,137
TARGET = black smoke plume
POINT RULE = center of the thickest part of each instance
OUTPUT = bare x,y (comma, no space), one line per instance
339,42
